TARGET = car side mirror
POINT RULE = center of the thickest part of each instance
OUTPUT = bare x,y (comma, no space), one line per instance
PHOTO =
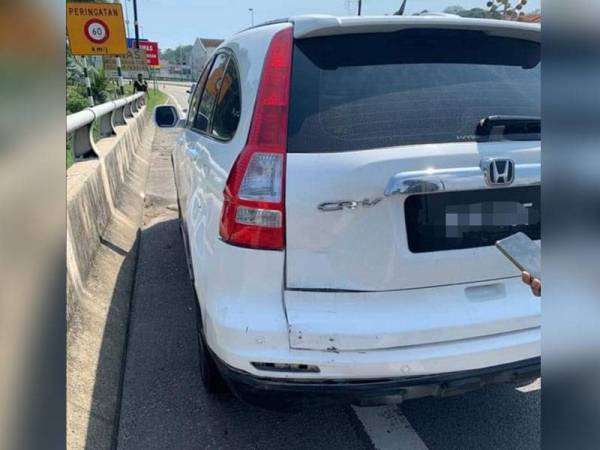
166,116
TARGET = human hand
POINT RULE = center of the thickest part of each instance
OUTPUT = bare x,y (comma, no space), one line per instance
534,283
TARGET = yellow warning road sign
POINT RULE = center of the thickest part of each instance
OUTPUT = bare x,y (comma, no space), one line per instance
96,29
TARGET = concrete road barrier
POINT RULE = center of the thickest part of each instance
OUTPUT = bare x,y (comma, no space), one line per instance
104,212
93,189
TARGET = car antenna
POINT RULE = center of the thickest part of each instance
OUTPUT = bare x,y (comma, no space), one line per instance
400,12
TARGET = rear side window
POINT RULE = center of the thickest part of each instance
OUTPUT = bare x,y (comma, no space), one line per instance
228,104
357,92
209,95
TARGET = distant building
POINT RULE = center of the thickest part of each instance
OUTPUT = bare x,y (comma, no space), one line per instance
174,71
201,52
531,18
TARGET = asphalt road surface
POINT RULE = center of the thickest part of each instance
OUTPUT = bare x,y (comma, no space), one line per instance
165,407
177,92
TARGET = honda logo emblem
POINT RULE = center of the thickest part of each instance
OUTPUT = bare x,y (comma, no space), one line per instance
499,172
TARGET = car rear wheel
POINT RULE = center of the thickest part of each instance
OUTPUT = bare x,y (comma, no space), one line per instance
211,377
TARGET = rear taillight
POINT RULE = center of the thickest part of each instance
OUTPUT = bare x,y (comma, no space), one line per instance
254,198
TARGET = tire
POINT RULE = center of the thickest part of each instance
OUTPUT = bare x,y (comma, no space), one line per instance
209,373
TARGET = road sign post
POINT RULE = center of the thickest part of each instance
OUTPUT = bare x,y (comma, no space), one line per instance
88,83
120,76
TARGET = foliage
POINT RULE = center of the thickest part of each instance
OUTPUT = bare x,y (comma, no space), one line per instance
76,99
479,13
155,97
70,159
74,70
103,89
99,84
496,9
179,55
506,9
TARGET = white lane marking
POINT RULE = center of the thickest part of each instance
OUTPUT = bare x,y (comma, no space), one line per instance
535,386
388,429
175,100
172,96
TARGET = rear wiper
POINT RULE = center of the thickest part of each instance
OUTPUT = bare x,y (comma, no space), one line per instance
509,125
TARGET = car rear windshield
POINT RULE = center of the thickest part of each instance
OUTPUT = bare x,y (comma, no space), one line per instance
364,91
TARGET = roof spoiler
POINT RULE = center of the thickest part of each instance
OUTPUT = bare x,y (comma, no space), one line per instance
326,25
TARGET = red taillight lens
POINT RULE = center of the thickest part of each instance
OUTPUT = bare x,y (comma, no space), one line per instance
254,197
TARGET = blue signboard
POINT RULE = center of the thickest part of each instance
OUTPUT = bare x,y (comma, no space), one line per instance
131,42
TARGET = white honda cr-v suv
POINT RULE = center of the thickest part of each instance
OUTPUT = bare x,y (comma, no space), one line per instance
342,182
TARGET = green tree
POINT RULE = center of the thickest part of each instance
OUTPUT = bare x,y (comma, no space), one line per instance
479,13
179,55
506,9
76,99
99,84
456,9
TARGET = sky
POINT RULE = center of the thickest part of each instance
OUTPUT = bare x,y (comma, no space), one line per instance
180,22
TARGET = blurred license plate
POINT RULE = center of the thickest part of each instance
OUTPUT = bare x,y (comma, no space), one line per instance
466,218
456,220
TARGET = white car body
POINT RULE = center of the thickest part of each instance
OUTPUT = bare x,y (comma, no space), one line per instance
346,294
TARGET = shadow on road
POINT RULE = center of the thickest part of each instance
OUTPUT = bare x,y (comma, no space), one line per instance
164,404
108,367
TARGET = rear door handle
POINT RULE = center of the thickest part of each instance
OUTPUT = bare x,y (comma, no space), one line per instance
458,179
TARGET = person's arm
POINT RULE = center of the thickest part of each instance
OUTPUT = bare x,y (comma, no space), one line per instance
534,283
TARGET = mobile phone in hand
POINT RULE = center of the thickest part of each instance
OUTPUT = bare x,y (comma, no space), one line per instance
523,253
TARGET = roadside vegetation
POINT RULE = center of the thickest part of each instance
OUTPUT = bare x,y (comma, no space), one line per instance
493,9
155,97
103,89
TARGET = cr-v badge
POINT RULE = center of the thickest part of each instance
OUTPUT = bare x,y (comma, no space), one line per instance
348,204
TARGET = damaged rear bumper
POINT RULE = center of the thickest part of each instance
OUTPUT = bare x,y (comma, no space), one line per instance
278,393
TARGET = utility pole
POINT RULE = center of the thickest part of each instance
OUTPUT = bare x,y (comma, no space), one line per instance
359,6
136,25
120,88
251,16
124,2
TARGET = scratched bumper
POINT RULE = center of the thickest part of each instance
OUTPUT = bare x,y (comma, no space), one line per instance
292,394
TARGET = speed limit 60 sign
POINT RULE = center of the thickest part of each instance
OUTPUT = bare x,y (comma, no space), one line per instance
96,28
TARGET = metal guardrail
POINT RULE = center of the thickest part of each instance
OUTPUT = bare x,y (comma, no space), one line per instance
108,116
